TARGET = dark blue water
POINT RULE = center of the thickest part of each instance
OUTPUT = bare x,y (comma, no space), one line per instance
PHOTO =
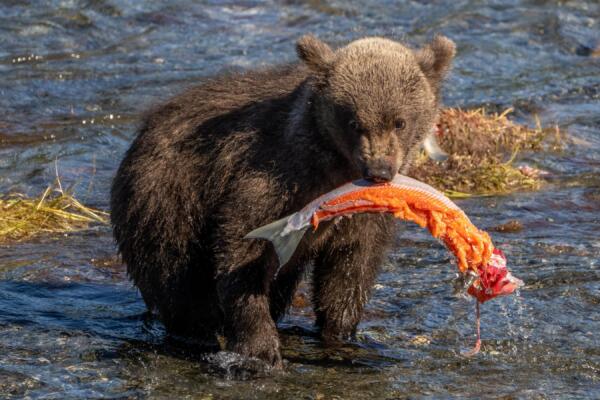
74,76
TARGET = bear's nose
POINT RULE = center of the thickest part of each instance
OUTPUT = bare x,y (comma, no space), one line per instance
379,172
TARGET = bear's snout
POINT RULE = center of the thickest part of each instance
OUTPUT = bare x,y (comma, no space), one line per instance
380,170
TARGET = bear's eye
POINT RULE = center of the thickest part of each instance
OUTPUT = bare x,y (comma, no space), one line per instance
400,124
353,124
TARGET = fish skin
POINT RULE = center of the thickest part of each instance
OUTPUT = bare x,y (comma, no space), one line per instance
303,218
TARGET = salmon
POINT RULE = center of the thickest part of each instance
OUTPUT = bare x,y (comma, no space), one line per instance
482,267
405,198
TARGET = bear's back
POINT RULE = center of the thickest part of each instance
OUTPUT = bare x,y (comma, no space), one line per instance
222,95
187,153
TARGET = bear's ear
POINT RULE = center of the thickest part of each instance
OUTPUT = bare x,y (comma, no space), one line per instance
435,59
315,54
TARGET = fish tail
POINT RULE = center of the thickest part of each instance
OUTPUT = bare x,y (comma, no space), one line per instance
285,243
433,149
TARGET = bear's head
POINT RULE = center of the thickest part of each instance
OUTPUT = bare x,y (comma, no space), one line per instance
376,99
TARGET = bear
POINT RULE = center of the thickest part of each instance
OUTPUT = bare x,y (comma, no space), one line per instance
243,149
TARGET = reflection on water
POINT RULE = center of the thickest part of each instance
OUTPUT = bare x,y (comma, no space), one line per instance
76,74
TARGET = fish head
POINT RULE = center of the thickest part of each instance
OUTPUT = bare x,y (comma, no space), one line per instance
376,99
494,279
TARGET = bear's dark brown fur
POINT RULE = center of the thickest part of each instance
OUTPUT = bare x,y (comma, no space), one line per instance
243,150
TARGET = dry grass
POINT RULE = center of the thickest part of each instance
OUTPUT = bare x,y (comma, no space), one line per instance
54,211
482,148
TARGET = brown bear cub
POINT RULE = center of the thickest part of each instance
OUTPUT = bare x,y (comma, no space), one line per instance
242,150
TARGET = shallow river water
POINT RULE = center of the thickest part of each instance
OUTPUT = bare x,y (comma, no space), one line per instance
74,76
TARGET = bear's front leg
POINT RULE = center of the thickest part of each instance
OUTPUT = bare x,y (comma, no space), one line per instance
344,274
248,327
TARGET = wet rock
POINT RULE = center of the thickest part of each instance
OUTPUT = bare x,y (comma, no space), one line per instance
420,340
588,51
17,384
512,226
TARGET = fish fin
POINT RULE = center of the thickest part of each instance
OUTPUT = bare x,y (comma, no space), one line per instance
433,149
285,244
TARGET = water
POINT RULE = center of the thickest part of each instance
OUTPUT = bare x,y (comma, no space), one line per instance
76,74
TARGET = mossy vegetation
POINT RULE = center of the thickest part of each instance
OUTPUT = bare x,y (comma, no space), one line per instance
482,149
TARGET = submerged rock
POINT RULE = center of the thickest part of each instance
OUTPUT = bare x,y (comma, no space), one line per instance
512,226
